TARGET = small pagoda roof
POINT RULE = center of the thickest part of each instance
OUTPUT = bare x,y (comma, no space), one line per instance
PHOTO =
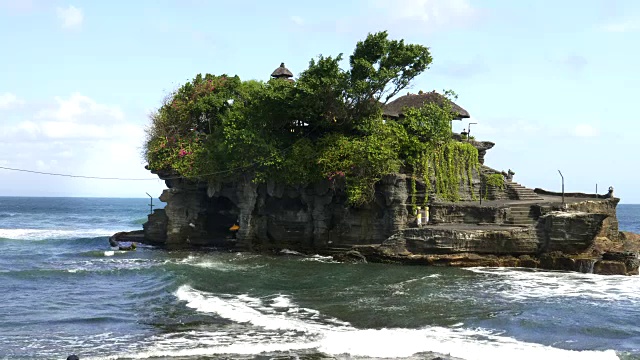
397,106
281,71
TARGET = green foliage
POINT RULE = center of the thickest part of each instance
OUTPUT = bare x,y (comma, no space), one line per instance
381,68
360,160
429,151
327,124
495,180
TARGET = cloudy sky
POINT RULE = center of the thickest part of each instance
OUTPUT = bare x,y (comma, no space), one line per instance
552,83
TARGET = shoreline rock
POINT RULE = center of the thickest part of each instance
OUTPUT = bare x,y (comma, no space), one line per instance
514,227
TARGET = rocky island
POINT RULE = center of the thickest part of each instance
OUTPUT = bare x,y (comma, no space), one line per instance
337,163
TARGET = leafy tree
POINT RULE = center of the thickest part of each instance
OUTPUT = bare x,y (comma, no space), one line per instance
327,124
381,68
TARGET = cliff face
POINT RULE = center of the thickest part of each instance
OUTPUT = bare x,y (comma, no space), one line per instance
276,216
273,215
513,222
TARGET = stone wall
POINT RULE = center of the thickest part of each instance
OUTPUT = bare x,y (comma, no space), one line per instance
467,214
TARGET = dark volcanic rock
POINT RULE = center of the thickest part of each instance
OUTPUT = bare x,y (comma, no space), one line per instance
351,256
450,240
244,215
606,267
557,261
570,232
155,229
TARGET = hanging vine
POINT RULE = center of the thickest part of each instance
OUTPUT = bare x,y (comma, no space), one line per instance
449,166
414,205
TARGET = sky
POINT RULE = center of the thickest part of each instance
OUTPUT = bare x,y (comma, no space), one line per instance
552,83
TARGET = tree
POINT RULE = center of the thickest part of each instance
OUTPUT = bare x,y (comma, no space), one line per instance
216,128
381,68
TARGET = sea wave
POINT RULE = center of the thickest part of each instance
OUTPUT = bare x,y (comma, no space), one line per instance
320,258
105,264
300,328
53,234
213,263
522,284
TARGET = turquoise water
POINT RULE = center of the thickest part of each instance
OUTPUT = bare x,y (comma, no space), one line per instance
65,291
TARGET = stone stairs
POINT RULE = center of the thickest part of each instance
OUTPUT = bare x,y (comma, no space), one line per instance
519,192
520,215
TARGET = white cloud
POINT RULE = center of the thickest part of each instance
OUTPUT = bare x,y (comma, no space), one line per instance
71,17
8,100
427,15
79,106
585,130
76,118
75,135
297,20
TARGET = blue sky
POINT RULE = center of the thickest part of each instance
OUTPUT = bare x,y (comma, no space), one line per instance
552,83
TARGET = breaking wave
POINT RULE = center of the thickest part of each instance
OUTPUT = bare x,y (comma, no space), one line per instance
521,284
277,324
53,234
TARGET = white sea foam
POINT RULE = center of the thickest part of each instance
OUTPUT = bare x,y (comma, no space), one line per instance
109,253
243,309
42,234
521,284
307,329
213,263
281,301
290,252
107,263
320,258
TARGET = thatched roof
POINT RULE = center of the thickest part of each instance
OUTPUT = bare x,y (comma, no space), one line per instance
281,72
396,107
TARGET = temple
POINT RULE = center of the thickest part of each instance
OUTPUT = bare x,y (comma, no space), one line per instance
496,222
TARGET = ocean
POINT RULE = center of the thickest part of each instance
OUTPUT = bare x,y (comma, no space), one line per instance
64,291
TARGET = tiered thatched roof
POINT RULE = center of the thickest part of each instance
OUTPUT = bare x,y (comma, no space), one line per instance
396,107
281,72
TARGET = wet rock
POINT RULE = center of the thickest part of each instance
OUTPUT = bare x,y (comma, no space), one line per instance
155,229
629,259
571,232
557,261
528,262
451,240
619,256
585,265
351,256
608,267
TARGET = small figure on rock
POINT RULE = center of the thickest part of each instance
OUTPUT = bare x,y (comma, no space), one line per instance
610,193
508,176
234,229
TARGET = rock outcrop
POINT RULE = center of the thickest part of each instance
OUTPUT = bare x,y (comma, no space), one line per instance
544,232
273,215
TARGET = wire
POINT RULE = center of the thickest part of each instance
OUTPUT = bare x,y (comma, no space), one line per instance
163,178
76,176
